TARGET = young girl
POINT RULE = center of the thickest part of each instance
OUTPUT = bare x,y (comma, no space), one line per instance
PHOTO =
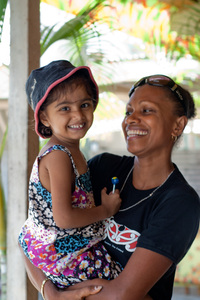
63,232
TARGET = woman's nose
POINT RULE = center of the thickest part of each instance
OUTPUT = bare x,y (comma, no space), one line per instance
132,118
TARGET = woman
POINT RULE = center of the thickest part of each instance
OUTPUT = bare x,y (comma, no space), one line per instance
159,216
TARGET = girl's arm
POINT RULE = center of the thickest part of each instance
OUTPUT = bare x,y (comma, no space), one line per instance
57,176
36,277
142,271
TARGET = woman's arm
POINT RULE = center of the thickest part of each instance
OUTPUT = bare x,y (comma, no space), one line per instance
51,292
142,271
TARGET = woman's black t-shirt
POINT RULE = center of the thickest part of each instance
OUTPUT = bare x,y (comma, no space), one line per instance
166,222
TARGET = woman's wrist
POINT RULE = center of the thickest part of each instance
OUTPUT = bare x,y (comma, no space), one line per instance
42,287
49,290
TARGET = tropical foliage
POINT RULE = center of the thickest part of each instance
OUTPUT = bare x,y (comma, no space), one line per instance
72,29
173,26
86,27
2,205
3,4
185,23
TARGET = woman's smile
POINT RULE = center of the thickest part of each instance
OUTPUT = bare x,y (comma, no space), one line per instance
135,133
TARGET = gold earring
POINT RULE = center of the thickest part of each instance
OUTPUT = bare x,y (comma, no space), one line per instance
174,138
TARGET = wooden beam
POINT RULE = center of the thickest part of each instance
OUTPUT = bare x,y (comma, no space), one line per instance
22,141
33,63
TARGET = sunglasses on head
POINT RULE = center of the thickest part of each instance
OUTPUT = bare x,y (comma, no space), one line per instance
162,81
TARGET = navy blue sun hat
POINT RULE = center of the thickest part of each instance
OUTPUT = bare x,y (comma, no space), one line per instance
42,80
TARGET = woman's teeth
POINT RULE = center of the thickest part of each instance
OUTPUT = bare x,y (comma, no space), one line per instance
136,132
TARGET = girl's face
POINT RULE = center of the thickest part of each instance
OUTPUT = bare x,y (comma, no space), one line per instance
150,122
70,116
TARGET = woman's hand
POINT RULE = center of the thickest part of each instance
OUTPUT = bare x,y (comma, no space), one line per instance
52,293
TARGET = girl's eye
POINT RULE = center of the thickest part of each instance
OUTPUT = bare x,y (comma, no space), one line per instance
64,108
86,104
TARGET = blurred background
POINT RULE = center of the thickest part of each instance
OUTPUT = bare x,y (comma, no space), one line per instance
121,41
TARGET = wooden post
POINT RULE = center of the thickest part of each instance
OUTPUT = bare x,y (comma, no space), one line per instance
22,142
33,63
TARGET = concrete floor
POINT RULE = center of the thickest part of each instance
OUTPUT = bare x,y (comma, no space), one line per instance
180,293
185,297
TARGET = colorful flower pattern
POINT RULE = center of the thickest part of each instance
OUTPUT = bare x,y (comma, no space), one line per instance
66,256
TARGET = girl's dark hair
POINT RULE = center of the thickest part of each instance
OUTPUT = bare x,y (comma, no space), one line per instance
187,107
70,84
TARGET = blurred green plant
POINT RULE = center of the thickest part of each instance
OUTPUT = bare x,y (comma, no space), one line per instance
185,23
2,204
78,32
3,4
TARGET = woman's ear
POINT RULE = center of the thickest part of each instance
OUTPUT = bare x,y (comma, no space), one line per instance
43,118
179,125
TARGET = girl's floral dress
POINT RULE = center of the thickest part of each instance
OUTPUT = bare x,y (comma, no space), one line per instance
66,256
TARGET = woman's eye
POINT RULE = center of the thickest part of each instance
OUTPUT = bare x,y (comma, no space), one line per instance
128,113
147,110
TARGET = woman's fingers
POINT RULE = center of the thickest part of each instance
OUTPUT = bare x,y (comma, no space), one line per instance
88,290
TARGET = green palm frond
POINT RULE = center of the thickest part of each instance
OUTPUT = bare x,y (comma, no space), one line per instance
2,203
73,28
77,34
186,24
3,143
67,31
2,221
3,4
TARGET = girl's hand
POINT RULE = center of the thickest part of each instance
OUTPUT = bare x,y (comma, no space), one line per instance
111,202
